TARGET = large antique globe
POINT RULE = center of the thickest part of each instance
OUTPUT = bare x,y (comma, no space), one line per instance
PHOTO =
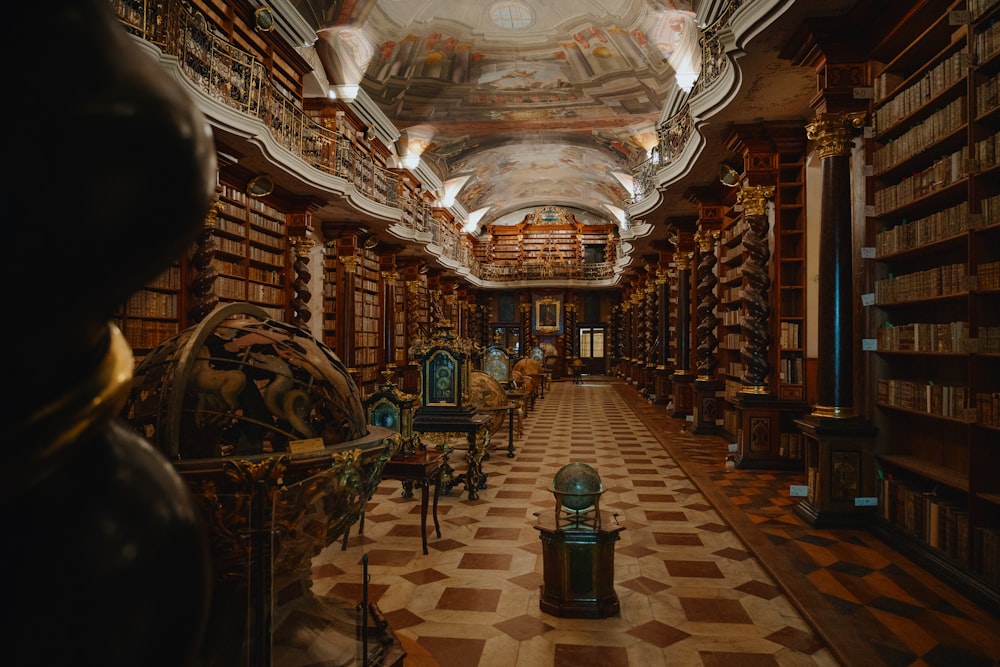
267,429
577,487
490,397
240,383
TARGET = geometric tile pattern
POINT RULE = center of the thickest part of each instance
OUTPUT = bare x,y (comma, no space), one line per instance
690,592
871,604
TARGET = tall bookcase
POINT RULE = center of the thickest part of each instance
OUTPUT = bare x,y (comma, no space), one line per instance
252,252
933,312
367,312
332,276
762,424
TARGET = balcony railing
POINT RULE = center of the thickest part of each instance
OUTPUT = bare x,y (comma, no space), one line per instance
240,81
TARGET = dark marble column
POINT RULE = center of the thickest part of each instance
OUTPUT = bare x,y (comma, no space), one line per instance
682,264
683,377
839,443
833,133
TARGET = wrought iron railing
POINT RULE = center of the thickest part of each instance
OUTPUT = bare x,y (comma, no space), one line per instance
237,79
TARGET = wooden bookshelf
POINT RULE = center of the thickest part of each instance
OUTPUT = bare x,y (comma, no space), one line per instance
933,310
252,252
761,422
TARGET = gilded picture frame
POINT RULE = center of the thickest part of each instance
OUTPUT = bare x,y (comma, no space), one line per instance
548,315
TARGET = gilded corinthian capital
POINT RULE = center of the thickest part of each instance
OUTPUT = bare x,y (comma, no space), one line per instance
833,132
754,198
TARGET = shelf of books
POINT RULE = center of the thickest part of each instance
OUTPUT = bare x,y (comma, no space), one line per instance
252,252
367,313
153,314
933,313
332,269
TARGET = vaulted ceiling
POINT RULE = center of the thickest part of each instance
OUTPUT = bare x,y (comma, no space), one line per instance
516,104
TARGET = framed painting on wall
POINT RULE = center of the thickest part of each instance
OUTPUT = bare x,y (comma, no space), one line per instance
548,315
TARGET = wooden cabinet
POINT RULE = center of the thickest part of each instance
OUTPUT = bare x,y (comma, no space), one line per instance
933,312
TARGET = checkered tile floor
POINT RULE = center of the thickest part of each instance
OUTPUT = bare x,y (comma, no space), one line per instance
691,593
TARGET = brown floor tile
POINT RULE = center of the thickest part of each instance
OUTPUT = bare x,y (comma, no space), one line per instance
469,599
454,652
475,561
714,610
693,568
570,655
658,634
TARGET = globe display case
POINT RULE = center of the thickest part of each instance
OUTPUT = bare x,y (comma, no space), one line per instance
267,428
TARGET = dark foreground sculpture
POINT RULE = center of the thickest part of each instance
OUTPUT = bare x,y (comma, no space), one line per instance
111,174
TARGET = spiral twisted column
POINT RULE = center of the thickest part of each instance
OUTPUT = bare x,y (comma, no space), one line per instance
682,262
412,323
301,245
757,285
651,320
708,323
202,286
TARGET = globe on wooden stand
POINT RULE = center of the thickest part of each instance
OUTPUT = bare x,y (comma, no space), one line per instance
578,550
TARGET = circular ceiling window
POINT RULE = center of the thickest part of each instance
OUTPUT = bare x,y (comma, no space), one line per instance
510,15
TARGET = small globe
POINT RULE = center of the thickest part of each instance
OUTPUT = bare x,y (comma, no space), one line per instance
241,383
577,486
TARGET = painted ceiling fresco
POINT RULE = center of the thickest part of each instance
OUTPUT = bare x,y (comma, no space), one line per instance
515,104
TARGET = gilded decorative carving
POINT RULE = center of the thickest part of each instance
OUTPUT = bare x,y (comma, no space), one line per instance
682,260
834,132
350,262
754,199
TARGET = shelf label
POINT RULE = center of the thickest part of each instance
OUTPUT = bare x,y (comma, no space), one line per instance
689,418
869,210
869,170
865,501
869,344
733,446
868,252
868,132
868,299
798,490
864,92
720,422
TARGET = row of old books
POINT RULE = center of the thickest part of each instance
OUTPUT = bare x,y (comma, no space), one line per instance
918,138
924,337
911,98
986,152
939,522
936,399
915,233
934,282
987,406
945,170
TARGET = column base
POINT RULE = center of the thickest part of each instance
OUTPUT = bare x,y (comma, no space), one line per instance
842,489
